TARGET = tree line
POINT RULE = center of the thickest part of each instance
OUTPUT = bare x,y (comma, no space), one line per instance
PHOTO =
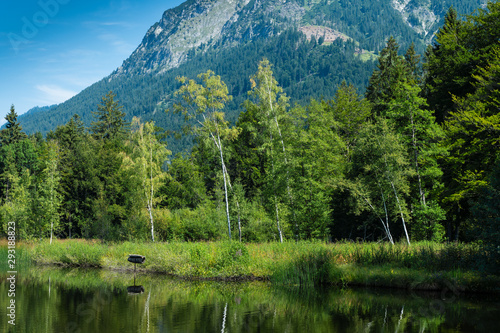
415,158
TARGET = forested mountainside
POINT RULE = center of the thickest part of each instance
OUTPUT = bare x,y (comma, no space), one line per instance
231,37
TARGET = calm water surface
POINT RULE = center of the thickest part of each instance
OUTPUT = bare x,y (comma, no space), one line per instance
77,300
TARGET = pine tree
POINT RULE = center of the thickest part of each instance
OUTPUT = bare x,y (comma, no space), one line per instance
110,120
448,66
13,131
392,69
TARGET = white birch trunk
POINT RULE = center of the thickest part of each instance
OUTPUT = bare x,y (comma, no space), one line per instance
225,185
51,203
414,140
401,212
388,232
274,188
237,202
273,114
150,203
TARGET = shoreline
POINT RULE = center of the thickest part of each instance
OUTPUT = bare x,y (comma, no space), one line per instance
429,287
417,268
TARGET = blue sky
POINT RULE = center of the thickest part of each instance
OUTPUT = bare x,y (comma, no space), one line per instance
50,50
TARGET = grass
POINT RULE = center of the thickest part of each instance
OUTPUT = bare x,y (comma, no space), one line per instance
422,266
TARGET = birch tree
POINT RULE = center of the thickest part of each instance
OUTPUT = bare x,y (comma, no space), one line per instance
51,198
148,157
381,166
272,105
15,205
395,95
202,105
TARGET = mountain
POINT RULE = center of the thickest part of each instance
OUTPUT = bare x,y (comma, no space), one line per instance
313,44
32,111
37,109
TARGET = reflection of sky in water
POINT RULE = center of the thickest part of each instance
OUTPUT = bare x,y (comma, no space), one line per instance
77,300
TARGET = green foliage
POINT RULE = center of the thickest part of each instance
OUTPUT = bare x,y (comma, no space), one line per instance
312,268
461,48
395,94
204,103
184,187
318,167
12,132
472,118
110,120
79,182
392,71
146,162
486,214
346,168
380,179
50,198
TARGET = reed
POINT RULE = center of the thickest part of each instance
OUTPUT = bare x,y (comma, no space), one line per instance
423,265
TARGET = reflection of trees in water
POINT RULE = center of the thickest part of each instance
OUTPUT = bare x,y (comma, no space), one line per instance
97,300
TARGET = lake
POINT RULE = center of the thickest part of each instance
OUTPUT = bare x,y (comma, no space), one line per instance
51,299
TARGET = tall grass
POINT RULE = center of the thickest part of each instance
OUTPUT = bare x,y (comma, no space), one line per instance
311,269
425,264
22,256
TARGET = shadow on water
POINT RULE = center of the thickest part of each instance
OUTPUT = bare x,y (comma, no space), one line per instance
51,299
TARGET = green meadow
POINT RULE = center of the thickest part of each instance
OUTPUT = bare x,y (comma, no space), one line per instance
421,266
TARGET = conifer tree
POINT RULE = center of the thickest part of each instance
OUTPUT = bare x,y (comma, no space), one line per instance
110,119
13,131
391,70
447,66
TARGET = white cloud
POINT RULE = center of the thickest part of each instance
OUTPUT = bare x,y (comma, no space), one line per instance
53,94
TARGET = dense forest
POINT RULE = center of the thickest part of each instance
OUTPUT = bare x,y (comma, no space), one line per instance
416,157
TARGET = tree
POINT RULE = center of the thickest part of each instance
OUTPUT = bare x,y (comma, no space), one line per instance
350,113
380,175
202,104
110,120
16,202
272,105
184,186
395,93
413,63
462,89
448,66
79,169
13,130
421,136
486,213
392,69
473,141
51,198
317,168
148,157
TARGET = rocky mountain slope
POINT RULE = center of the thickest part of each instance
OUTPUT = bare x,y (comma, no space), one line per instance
231,36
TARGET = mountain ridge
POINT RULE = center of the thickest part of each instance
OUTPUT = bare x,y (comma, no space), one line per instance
186,41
